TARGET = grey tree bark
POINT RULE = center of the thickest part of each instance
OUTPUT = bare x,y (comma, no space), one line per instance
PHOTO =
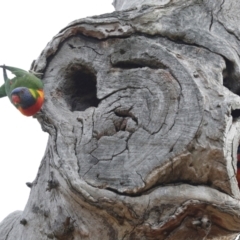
141,107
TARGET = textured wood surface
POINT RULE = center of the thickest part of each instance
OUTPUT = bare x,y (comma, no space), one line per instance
126,4
141,109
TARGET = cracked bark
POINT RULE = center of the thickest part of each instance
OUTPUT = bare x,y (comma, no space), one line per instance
142,114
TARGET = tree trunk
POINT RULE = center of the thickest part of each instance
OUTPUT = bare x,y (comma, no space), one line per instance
142,110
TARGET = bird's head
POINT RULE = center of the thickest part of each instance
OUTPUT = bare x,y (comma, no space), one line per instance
22,97
27,101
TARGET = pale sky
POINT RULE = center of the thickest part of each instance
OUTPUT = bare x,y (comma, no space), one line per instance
26,27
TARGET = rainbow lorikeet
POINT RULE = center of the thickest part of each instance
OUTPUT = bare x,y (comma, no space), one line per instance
25,90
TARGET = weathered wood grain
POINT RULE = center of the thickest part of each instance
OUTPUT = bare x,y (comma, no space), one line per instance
139,108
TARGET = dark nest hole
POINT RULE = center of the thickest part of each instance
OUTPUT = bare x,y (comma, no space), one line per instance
80,88
231,82
238,166
235,114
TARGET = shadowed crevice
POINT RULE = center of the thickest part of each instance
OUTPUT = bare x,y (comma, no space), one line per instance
235,114
229,80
